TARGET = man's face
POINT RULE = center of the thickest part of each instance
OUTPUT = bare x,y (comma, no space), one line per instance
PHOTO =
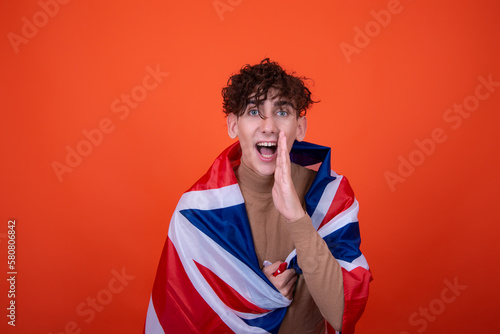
258,130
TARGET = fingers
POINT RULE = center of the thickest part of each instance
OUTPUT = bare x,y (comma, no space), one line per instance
284,282
289,287
283,167
285,196
269,270
283,156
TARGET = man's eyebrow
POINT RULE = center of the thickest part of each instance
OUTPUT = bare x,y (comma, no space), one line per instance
279,103
282,103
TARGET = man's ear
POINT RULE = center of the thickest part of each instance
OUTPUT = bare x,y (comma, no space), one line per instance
232,125
301,128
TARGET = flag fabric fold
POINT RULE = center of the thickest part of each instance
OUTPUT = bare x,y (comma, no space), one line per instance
209,279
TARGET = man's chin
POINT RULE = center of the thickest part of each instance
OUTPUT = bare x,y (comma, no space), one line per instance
261,167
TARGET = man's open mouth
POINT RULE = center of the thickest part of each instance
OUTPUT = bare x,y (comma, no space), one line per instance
267,149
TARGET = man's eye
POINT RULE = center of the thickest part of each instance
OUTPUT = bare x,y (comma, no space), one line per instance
282,113
253,112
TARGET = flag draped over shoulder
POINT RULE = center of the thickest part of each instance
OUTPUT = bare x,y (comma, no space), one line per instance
209,279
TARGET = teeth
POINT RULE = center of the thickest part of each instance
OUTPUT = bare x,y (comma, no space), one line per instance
268,144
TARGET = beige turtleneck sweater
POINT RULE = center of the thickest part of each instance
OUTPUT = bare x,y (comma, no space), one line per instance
319,292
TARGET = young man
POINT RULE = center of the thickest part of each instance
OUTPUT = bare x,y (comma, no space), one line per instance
261,244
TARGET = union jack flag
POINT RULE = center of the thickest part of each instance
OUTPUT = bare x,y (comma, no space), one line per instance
209,279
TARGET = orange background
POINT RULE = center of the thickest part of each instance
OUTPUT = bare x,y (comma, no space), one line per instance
111,212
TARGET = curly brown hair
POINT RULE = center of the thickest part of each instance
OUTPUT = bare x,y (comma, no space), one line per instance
256,80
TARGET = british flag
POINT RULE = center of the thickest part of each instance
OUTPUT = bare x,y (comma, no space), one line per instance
209,279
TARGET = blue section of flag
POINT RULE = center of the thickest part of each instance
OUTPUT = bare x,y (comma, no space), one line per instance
305,154
344,242
270,322
228,227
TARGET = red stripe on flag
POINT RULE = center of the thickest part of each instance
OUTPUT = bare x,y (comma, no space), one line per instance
179,307
227,293
344,197
356,286
221,172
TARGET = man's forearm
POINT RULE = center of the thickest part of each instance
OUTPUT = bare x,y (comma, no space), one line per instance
322,272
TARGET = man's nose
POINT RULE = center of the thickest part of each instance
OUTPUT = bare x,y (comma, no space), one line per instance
268,125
